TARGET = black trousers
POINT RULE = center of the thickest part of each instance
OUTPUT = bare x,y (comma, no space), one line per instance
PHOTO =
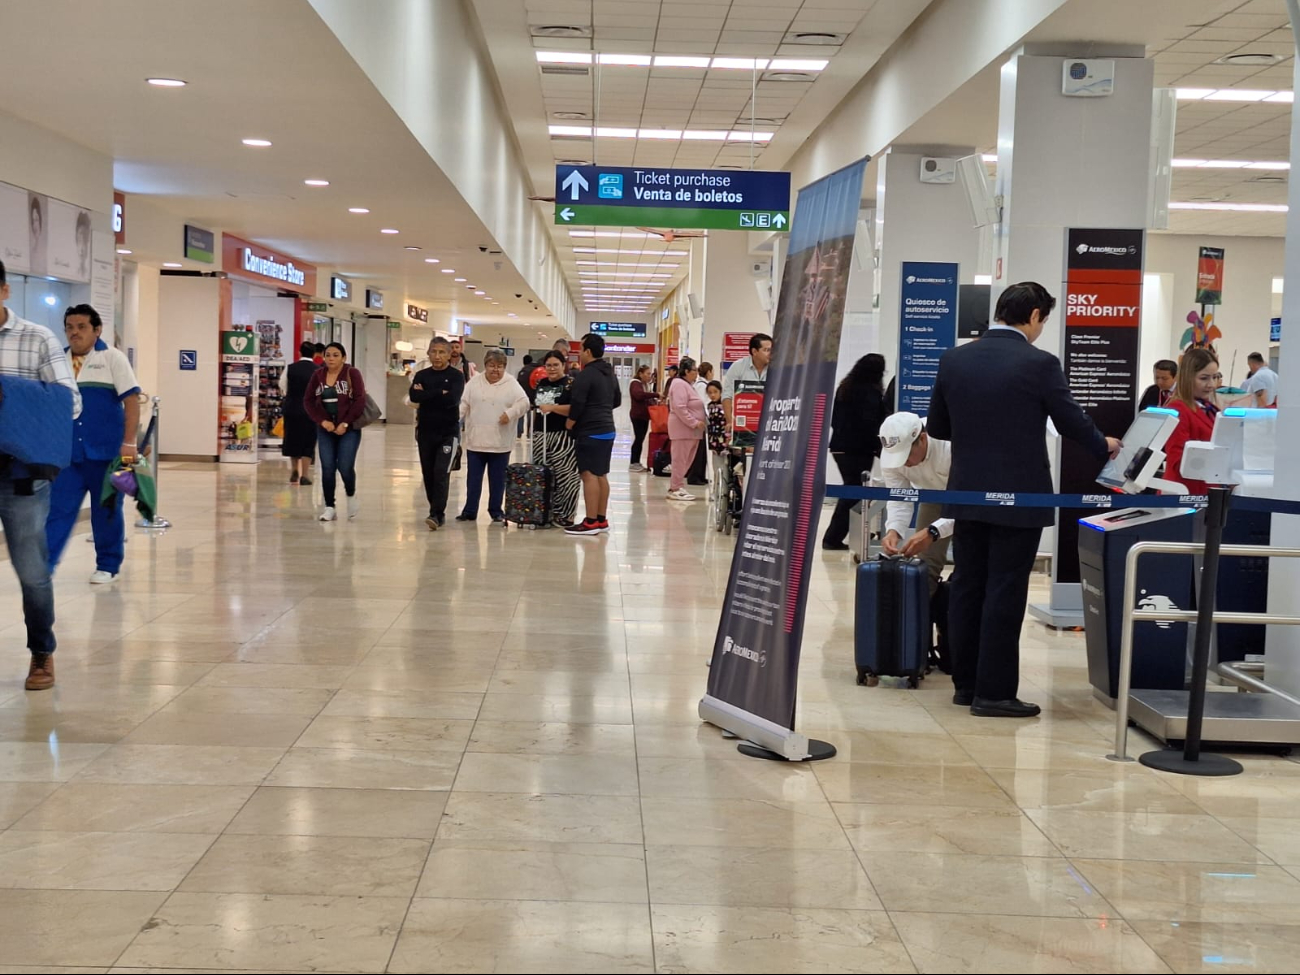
639,429
852,467
436,457
986,606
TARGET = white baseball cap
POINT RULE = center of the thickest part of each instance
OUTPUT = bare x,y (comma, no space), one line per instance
897,434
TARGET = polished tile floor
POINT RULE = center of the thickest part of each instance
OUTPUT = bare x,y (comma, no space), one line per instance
277,745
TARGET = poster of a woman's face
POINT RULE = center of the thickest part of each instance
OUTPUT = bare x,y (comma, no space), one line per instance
83,244
37,238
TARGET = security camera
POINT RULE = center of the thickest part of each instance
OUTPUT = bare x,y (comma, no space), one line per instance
518,296
482,249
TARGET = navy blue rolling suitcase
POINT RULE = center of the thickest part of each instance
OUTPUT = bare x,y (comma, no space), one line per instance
891,626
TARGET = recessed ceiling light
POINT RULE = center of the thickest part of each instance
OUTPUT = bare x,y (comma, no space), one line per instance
123,250
316,182
480,292
447,270
257,143
389,230
171,264
166,82
512,314
357,210
459,280
432,260
412,247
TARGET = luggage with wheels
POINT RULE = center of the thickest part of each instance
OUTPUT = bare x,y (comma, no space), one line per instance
660,461
891,635
655,443
530,489
940,655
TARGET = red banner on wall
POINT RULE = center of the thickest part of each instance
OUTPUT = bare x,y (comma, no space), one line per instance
735,345
1209,276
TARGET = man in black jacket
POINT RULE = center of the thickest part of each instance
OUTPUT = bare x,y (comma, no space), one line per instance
593,399
436,392
992,400
1160,392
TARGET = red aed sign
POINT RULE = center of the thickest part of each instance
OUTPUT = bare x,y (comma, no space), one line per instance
735,345
747,411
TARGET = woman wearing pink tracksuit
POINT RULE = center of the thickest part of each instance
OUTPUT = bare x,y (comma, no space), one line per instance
686,425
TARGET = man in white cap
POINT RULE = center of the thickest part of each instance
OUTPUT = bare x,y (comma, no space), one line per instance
911,458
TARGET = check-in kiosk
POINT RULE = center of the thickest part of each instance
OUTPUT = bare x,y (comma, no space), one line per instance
1165,581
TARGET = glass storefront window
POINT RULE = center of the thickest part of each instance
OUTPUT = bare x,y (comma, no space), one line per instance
40,301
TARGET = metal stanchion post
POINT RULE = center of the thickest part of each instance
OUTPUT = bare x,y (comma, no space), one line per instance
1190,761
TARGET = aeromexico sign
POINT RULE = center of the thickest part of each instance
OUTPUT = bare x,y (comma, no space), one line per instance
251,261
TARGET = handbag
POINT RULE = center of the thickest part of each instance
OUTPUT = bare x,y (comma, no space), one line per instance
658,418
369,414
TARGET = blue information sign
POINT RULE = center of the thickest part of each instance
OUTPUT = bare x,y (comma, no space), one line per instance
1275,330
189,360
722,199
927,328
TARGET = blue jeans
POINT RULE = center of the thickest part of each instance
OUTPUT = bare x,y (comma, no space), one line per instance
106,523
338,454
23,518
495,465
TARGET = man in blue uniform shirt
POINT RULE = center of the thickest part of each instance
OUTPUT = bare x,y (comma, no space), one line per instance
106,429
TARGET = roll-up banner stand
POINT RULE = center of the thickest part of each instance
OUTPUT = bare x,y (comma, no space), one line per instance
927,328
755,667
1102,299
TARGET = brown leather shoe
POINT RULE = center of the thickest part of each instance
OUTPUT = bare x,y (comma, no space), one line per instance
41,676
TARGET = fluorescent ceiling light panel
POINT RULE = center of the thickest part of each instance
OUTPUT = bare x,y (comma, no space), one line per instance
609,233
705,135
1268,165
257,143
677,61
636,60
316,182
623,274
1193,94
623,250
989,157
742,136
563,57
797,64
166,82
1237,95
1236,207
611,132
389,230
740,64
1281,96
357,210
581,131
673,134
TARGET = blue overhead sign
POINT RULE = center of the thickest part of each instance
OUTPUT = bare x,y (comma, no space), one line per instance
722,199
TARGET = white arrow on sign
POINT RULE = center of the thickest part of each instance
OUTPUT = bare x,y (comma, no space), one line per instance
779,220
566,214
573,183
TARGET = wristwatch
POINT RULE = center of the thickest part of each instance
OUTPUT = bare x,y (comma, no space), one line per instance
934,532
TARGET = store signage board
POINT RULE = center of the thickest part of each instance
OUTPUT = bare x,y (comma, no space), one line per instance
254,262
927,328
629,348
416,313
618,330
340,289
1100,350
708,199
200,244
374,299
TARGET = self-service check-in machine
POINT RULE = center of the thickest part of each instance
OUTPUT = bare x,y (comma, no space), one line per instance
1164,581
1240,453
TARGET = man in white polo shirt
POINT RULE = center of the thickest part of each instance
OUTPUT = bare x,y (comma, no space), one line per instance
911,458
105,430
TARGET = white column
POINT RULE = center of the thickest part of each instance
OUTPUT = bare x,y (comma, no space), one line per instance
1067,161
1282,651
731,302
917,221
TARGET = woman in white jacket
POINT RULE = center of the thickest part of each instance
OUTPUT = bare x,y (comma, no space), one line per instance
493,401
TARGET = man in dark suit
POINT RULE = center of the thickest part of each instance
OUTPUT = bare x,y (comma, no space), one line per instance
992,400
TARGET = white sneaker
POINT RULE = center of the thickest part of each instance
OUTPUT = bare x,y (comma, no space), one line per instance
681,494
99,577
329,514
354,506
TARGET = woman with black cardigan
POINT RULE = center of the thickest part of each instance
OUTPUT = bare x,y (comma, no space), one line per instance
860,408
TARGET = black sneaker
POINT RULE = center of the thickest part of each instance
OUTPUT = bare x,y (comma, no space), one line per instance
305,481
588,526
465,517
431,523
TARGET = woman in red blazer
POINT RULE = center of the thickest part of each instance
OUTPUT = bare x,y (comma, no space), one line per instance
1194,399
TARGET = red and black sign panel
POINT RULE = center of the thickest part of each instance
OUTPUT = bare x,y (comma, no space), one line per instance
1103,309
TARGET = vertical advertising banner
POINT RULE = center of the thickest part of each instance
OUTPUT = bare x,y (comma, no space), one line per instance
237,421
1103,308
927,328
755,668
1209,276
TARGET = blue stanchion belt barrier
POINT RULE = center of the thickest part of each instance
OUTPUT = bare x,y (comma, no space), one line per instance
1100,501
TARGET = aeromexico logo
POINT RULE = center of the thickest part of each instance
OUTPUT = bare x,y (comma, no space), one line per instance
730,646
269,267
1122,251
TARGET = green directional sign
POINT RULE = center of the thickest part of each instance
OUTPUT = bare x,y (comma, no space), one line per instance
678,218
